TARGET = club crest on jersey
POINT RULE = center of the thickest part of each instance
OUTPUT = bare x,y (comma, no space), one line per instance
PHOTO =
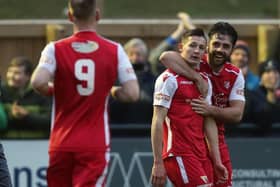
85,47
226,84
161,96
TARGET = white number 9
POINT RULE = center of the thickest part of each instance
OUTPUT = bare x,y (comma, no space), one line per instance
87,76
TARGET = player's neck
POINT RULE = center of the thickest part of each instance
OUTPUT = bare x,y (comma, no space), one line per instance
216,68
84,27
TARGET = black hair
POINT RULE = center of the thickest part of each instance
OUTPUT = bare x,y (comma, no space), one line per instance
225,29
194,32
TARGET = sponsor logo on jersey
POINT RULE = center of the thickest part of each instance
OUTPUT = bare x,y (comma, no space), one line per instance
220,100
161,96
227,84
85,47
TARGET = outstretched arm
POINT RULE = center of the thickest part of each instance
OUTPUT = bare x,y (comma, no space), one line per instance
186,20
171,41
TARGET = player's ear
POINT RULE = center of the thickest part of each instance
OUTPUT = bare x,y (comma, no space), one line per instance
97,15
70,16
70,12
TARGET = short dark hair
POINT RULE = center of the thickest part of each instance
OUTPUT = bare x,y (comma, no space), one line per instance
193,32
22,61
225,29
82,9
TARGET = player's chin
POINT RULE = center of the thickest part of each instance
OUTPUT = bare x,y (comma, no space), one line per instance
194,62
219,62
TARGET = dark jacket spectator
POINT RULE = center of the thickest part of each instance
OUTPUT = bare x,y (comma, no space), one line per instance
26,110
262,104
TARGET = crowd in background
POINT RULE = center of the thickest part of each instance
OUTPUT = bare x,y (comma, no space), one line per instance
25,114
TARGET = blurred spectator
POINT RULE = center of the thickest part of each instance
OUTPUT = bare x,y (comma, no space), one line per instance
137,53
240,57
140,111
263,105
28,113
146,67
170,43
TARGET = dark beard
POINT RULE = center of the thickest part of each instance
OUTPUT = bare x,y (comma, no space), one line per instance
213,54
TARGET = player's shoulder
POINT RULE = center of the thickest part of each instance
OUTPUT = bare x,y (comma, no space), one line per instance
63,40
94,38
167,75
231,69
109,42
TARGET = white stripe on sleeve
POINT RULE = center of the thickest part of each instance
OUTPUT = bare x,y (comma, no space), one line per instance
165,87
47,59
125,69
237,91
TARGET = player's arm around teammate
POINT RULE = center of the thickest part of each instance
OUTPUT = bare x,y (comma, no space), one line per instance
232,114
173,59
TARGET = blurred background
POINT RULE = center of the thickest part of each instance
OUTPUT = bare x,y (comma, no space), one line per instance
51,9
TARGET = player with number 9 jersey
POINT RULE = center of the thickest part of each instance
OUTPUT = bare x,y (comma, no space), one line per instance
85,67
79,72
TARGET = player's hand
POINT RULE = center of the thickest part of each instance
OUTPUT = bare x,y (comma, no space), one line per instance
158,176
202,86
221,173
201,107
186,20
